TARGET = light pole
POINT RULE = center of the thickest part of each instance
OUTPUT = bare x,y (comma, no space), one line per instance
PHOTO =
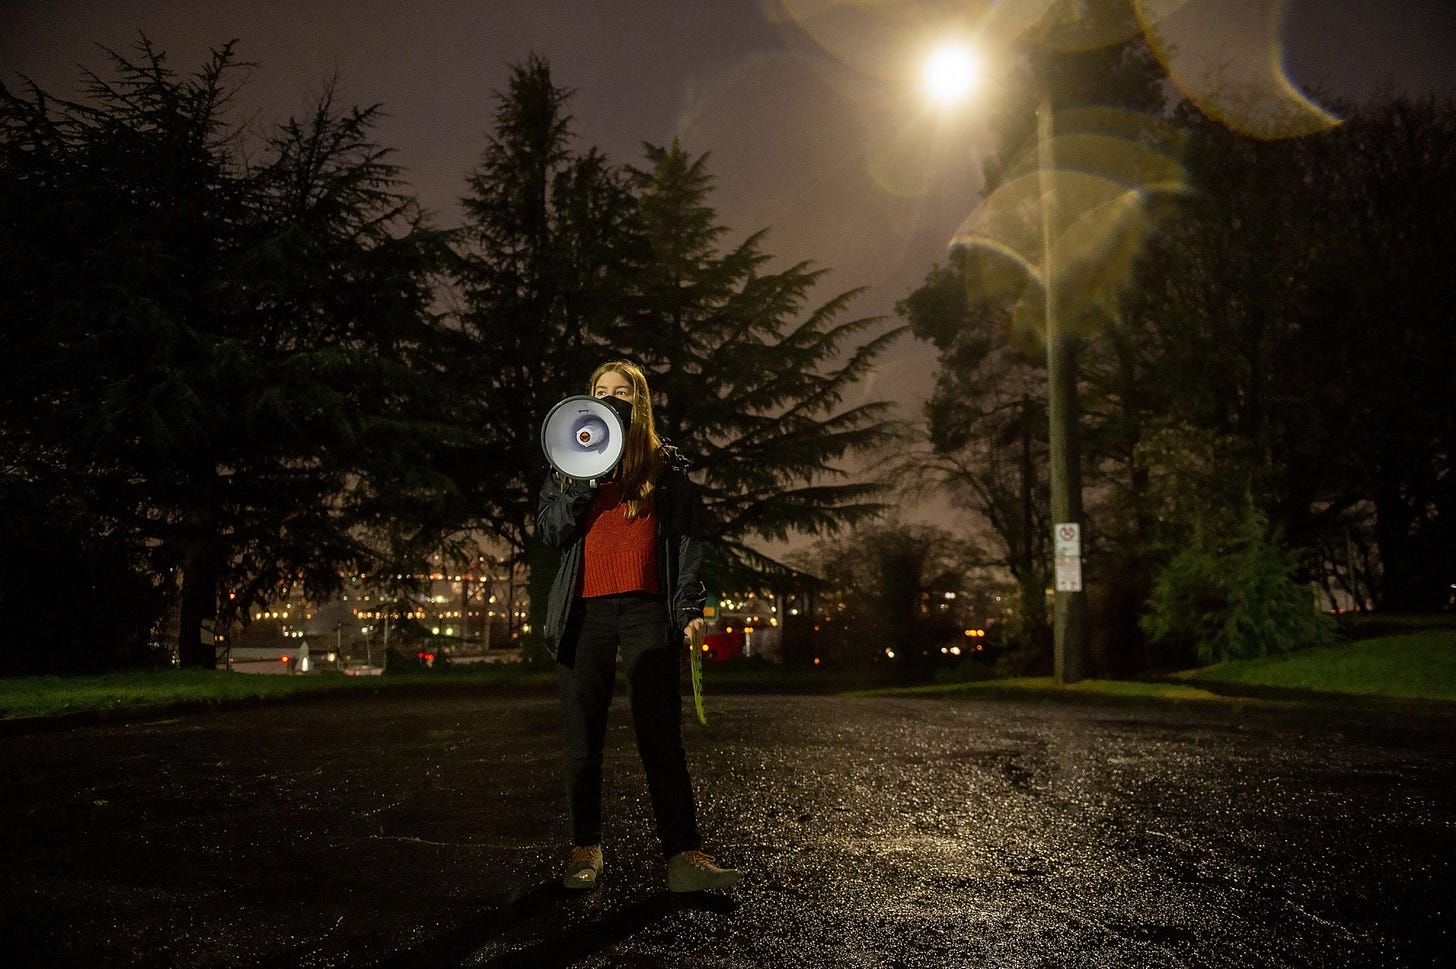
949,74
1069,601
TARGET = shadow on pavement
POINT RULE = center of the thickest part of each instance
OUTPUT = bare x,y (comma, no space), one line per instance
456,946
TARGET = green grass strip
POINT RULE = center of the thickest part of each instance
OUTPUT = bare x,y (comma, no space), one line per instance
53,696
1415,665
1029,686
1412,666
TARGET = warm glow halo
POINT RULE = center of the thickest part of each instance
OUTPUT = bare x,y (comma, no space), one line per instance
950,72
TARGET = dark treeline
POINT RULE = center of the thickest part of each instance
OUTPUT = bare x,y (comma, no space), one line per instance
239,363
1265,390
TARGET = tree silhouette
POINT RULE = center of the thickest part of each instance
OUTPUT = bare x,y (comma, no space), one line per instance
754,380
224,348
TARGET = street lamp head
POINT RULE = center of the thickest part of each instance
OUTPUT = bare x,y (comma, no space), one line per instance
950,73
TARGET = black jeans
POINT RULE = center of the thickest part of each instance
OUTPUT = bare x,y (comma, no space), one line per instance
586,672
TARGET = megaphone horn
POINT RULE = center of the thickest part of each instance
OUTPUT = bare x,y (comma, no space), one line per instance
583,437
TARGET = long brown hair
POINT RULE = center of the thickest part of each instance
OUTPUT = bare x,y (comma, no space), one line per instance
641,460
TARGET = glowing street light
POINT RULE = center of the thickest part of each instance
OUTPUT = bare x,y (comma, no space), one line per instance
950,73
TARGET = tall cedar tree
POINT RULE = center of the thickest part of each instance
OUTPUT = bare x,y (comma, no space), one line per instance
222,366
751,377
547,247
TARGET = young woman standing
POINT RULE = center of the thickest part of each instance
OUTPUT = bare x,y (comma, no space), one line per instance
628,582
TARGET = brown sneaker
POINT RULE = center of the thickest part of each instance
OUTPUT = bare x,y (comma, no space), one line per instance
583,868
694,871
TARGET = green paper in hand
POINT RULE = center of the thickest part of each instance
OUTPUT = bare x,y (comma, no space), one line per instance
695,647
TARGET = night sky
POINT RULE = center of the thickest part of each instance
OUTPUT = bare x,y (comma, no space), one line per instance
811,110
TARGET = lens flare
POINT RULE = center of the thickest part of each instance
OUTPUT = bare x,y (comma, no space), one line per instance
1226,56
1112,169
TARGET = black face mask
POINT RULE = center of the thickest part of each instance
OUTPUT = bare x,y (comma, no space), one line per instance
622,407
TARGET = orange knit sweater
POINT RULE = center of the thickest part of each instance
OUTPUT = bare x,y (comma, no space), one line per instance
620,554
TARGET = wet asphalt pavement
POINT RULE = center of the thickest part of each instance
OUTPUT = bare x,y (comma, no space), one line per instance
427,829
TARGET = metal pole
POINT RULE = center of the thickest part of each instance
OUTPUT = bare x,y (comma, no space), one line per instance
1069,604
465,607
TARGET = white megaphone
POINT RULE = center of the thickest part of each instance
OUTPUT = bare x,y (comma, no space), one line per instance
584,437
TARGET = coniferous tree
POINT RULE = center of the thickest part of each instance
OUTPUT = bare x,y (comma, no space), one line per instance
753,379
568,261
546,246
222,357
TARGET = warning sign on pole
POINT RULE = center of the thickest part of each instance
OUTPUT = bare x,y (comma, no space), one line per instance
1067,541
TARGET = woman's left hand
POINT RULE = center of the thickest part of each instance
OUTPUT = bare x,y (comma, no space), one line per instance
696,626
